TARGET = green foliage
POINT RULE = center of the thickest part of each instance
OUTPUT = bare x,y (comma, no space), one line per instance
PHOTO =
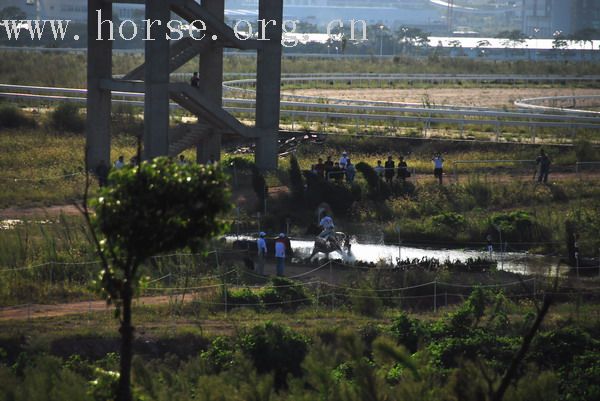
407,331
340,197
260,186
160,206
296,181
12,117
66,118
517,226
275,348
378,189
284,294
243,297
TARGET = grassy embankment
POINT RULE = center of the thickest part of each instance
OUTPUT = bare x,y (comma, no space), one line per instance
459,353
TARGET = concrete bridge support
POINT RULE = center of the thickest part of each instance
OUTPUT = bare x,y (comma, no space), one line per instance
268,85
99,68
211,84
156,101
162,58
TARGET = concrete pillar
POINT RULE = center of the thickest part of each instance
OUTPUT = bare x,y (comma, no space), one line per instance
268,85
156,101
99,66
211,83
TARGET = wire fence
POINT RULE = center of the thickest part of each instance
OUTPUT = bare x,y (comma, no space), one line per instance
312,289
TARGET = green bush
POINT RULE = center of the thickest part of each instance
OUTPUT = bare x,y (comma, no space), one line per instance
296,181
282,293
518,226
339,197
407,331
275,348
66,118
378,189
242,297
481,193
13,117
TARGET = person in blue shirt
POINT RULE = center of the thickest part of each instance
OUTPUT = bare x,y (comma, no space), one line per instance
262,252
438,166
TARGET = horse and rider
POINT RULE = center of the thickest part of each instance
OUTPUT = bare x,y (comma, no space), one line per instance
329,240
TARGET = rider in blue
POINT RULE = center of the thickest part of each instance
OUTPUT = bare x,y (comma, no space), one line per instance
328,227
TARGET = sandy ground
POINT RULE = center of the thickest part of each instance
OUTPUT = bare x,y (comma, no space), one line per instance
484,97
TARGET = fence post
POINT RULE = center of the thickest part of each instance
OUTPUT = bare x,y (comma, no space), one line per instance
435,296
331,282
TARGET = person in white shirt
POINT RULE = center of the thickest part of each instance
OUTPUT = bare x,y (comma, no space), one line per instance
120,163
379,169
344,160
280,248
262,252
328,226
182,161
438,166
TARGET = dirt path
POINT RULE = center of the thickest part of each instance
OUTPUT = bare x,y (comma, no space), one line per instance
38,212
483,97
305,273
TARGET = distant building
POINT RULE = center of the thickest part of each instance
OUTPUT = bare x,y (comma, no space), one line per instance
543,18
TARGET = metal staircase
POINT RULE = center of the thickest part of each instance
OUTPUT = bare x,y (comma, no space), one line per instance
192,99
181,51
185,136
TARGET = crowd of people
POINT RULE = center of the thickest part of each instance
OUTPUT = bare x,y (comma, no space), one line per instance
344,169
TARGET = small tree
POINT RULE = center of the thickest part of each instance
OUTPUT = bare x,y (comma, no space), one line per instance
296,180
157,207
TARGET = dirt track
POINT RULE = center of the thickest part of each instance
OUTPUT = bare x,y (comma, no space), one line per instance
484,97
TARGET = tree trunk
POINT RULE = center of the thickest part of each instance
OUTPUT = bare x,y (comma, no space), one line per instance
126,330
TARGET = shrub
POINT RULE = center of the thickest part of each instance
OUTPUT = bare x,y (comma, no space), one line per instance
275,348
66,118
260,186
481,193
378,189
284,294
518,226
407,331
296,181
12,117
339,197
242,297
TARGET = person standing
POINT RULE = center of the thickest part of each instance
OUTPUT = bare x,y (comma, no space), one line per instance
350,172
120,163
280,248
195,81
328,167
182,161
544,162
320,168
490,244
379,169
389,170
403,172
102,173
262,253
344,160
438,167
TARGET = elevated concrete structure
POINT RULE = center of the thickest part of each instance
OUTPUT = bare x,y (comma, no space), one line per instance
163,57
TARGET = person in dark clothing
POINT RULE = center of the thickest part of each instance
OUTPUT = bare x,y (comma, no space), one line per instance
328,167
337,173
389,170
438,167
544,162
102,173
403,172
195,81
320,168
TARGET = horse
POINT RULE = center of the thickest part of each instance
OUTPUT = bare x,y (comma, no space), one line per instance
335,243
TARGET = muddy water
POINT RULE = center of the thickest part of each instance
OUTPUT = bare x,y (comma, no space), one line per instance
516,262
